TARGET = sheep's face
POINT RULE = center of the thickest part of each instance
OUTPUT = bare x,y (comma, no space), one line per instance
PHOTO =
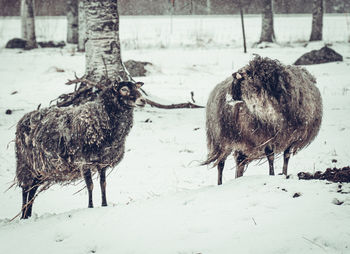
129,94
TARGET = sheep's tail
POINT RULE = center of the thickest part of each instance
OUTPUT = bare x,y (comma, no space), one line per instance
215,157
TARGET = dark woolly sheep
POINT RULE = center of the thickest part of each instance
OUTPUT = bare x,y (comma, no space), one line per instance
62,145
265,108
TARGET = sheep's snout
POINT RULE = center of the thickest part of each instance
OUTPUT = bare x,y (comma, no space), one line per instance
140,102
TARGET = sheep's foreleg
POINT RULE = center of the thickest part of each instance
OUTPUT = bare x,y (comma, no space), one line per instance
286,156
270,157
89,186
241,161
103,186
221,166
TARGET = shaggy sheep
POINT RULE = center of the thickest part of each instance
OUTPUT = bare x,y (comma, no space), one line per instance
265,108
62,145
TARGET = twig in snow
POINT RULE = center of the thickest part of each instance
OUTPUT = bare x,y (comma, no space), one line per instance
192,97
254,221
320,246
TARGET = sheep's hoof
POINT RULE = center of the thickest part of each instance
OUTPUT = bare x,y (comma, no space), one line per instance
104,204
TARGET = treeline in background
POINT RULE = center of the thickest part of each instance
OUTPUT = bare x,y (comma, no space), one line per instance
181,7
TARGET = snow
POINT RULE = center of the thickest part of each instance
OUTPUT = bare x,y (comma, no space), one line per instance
160,199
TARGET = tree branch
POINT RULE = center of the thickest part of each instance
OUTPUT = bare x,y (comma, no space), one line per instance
172,106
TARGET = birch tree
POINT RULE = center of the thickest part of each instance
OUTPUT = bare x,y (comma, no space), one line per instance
81,27
267,31
28,23
208,7
102,41
72,21
317,20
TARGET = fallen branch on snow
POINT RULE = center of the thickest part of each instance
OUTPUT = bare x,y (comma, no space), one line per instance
88,91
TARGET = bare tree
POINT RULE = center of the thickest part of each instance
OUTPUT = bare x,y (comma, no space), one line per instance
267,31
81,27
317,20
28,23
72,21
208,7
102,41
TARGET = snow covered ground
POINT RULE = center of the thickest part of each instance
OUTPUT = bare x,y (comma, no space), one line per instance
160,199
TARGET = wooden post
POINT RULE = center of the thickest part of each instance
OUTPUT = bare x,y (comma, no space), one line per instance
243,31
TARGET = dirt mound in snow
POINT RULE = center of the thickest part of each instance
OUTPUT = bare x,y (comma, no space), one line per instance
16,43
331,174
323,55
137,68
51,44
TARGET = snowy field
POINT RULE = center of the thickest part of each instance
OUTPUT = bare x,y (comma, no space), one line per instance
160,199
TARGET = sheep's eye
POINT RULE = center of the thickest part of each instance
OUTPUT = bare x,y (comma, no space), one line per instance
124,91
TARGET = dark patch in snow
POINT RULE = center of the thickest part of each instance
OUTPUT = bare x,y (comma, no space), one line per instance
137,68
331,174
323,55
337,201
51,44
16,43
296,195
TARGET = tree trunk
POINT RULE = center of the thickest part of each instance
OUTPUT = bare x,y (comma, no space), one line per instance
28,23
82,27
208,7
103,44
317,20
267,32
23,19
72,21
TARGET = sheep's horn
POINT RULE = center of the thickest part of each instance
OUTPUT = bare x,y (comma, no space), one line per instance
238,76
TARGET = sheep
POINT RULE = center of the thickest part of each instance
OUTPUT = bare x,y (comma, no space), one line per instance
63,145
264,109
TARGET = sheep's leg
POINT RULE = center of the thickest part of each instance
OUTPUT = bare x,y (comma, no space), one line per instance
24,202
31,197
221,166
286,156
103,186
270,157
89,186
241,161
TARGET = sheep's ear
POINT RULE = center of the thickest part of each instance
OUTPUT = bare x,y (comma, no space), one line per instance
139,84
238,76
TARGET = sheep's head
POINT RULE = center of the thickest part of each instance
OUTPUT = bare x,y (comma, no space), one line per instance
236,86
129,94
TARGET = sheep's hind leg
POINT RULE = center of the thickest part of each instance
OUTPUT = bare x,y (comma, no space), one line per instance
28,196
270,157
25,193
241,161
89,186
103,186
32,196
286,156
221,166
